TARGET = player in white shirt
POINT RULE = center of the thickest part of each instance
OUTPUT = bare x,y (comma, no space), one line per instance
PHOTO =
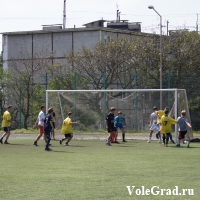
40,123
153,123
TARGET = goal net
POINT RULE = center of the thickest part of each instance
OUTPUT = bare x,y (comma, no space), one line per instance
90,107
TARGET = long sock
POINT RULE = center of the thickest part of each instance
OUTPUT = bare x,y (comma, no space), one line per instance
167,140
178,141
123,136
47,142
164,139
149,138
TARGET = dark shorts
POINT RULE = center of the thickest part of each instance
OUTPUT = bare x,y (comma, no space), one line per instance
112,129
53,124
69,135
7,129
167,134
48,133
181,134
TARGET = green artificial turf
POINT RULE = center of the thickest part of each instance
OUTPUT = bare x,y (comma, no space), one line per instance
90,170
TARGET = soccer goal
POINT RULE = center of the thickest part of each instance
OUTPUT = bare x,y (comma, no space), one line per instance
90,107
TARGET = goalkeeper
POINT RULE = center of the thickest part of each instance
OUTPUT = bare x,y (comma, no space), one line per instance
119,121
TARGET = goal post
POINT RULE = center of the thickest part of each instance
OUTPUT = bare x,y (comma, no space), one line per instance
136,104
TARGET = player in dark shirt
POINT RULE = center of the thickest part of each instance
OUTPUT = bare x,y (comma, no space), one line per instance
110,125
48,128
54,121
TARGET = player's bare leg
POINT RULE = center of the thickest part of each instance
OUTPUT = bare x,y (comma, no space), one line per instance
112,134
1,140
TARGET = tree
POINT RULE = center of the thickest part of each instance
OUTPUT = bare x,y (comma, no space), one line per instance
3,80
25,83
181,53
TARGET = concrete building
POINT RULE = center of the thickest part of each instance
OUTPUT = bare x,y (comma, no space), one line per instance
58,41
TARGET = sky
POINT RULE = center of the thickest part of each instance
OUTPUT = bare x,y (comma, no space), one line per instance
28,15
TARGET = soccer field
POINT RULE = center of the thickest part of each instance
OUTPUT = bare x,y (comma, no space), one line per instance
90,170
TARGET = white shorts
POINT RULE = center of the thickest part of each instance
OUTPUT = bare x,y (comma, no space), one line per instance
155,127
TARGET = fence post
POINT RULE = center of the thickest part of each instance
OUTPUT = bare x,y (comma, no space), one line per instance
104,100
169,80
20,113
75,98
136,101
46,81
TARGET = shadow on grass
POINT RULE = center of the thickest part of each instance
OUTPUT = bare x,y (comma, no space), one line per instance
183,147
69,146
54,151
126,146
78,146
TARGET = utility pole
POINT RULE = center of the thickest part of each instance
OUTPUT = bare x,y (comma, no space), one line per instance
167,28
197,24
64,15
161,82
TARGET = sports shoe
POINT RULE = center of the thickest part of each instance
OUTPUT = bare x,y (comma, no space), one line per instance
124,141
148,141
108,143
6,142
67,144
159,141
1,141
188,144
166,145
48,149
178,145
173,141
60,142
35,143
117,142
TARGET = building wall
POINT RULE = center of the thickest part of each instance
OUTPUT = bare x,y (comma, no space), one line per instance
31,44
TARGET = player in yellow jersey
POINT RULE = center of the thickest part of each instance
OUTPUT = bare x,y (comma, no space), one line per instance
67,129
166,127
161,113
6,125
